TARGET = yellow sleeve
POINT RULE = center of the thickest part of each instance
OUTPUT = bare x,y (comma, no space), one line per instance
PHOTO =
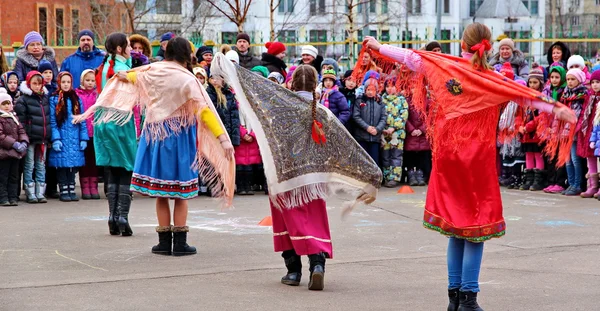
132,76
209,118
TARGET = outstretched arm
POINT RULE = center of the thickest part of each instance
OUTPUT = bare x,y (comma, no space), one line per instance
411,59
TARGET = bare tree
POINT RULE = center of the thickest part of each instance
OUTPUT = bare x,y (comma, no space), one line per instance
234,10
199,17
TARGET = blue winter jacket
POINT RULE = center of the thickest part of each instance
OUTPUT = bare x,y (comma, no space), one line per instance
79,61
339,106
595,138
70,135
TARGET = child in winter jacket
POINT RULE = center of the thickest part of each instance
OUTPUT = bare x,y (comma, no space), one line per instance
332,98
33,111
554,88
584,133
534,160
88,174
509,144
349,88
574,97
68,140
10,82
394,134
13,146
576,61
370,117
417,150
226,104
594,141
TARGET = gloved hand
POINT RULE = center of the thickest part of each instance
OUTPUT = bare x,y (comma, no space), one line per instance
22,147
57,146
16,146
82,145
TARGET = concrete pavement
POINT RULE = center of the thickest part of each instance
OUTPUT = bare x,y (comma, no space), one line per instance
59,256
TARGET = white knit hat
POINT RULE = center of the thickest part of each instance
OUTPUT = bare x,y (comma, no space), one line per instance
4,96
83,75
310,50
233,56
576,60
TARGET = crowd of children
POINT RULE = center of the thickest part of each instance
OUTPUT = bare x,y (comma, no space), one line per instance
567,81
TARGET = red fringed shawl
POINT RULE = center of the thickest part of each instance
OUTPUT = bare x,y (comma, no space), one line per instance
461,94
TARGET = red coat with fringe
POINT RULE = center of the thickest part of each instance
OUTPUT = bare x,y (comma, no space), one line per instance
463,199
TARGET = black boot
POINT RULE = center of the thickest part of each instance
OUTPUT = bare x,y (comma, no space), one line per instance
124,204
505,178
64,193
180,246
420,178
454,299
412,178
165,241
112,195
317,271
293,263
528,180
249,181
240,184
468,302
538,180
72,193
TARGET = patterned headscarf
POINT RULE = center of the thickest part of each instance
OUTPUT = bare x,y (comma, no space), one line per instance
61,105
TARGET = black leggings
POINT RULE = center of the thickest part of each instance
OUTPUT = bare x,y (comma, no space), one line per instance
117,176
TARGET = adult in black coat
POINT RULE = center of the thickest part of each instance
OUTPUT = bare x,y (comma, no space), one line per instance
273,58
226,106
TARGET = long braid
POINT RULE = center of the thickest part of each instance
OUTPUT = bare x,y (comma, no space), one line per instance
314,105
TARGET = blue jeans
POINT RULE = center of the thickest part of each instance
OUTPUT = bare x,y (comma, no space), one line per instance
35,159
464,263
574,169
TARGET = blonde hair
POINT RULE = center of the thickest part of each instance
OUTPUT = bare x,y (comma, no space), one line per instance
474,34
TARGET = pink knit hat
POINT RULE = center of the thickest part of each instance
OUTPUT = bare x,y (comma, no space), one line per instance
577,73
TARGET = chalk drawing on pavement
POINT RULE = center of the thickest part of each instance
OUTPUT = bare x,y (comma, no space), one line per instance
558,223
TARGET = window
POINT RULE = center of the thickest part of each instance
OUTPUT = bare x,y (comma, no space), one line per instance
140,5
313,7
407,36
359,8
385,6
321,6
228,37
60,29
534,7
286,6
474,6
74,26
43,23
100,14
413,6
598,2
597,19
168,6
576,3
446,35
288,36
385,35
574,20
445,4
372,6
319,36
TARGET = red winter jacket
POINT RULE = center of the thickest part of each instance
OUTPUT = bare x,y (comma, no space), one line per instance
247,153
531,122
415,122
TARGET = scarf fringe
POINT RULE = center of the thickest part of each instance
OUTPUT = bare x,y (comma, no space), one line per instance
183,118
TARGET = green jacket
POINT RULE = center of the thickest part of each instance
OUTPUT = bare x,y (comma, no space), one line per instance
115,145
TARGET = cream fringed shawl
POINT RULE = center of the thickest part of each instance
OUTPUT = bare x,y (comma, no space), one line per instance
298,170
171,98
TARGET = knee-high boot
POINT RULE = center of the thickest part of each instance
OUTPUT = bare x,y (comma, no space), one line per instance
124,204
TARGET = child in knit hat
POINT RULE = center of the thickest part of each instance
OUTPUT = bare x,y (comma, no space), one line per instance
33,109
332,98
45,68
349,88
594,141
13,147
370,118
574,97
88,174
534,160
10,81
576,61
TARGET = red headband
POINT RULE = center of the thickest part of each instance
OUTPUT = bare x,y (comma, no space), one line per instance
481,47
